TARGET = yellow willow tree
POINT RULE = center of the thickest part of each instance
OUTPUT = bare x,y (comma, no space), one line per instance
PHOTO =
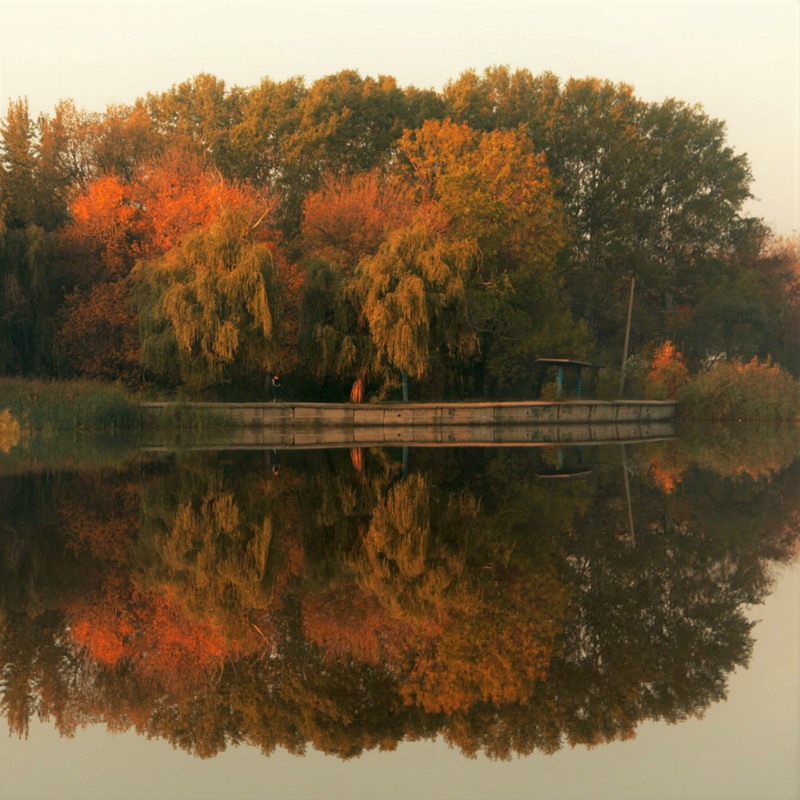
413,292
208,306
348,219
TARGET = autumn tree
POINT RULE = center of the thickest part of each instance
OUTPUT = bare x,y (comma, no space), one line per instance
348,218
491,189
115,223
345,221
208,306
667,374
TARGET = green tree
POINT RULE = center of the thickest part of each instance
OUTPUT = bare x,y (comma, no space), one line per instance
18,174
270,114
650,189
31,206
201,113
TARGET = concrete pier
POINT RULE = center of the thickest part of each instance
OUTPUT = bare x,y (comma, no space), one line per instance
325,415
329,424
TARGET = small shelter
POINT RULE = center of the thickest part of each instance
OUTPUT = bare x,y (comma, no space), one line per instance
563,367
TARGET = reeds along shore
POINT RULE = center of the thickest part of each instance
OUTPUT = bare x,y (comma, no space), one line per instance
42,407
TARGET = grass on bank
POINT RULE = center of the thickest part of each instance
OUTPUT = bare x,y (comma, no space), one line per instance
47,407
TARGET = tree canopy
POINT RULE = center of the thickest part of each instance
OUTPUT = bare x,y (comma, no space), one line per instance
559,190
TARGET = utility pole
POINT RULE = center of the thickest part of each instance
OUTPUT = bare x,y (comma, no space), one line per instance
627,339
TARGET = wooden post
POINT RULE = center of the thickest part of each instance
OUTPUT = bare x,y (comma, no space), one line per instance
405,387
627,339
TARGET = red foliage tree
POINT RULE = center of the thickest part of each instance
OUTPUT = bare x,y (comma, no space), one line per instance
114,224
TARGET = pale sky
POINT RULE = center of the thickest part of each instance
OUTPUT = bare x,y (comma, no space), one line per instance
739,59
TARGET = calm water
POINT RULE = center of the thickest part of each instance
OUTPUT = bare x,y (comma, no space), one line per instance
440,622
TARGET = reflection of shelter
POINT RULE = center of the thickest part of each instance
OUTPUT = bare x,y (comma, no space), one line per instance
568,374
568,465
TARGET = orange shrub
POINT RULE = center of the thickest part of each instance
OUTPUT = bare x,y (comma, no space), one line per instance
667,373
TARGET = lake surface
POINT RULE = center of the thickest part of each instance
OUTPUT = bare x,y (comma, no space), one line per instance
549,622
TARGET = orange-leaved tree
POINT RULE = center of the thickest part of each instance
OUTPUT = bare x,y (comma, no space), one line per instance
667,373
114,223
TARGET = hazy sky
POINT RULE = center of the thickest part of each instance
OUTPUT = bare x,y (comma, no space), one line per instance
740,60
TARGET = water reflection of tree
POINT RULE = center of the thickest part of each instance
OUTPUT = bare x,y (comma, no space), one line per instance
207,602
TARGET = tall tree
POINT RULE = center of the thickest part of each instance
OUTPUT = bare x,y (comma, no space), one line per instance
493,190
18,153
31,206
198,113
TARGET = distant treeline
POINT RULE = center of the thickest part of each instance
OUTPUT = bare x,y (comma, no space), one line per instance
345,233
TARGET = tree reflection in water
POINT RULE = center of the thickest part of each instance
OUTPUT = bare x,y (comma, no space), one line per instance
348,602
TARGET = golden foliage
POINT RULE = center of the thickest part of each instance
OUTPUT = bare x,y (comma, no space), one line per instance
10,431
414,298
213,299
492,186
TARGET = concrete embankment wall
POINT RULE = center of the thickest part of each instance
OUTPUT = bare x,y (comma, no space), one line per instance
588,420
319,415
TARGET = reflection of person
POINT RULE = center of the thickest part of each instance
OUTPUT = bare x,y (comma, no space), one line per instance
275,461
276,388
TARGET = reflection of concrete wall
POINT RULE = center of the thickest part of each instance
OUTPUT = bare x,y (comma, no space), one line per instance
426,436
588,421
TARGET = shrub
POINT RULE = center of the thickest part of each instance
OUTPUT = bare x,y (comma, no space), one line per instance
667,373
758,391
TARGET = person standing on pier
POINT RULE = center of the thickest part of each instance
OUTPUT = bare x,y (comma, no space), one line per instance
276,388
